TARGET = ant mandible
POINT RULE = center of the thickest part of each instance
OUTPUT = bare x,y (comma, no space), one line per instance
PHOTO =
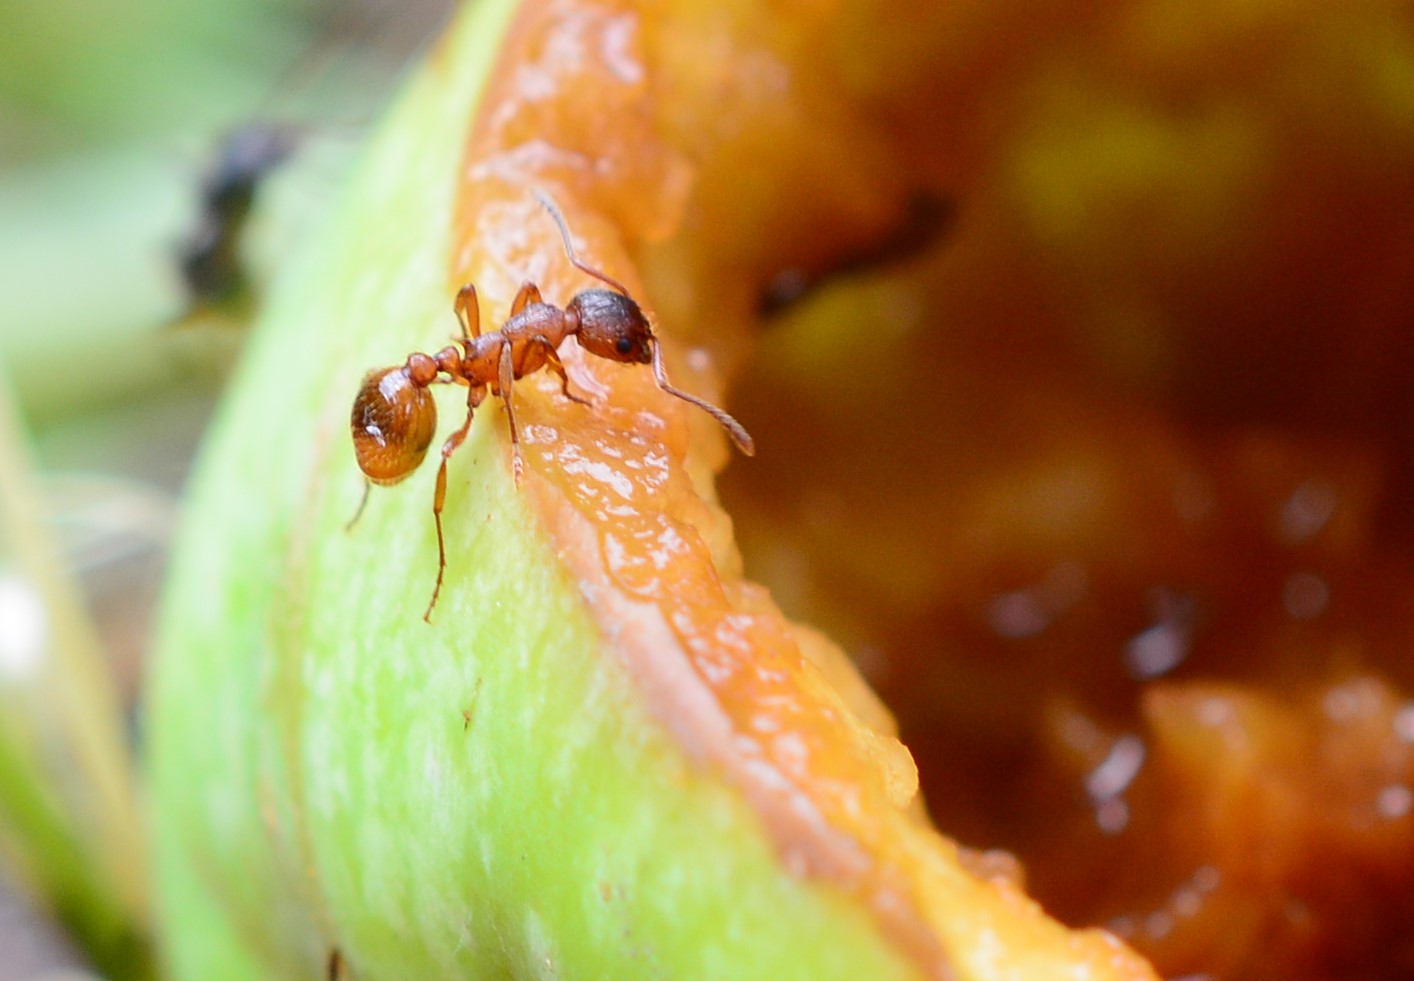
394,416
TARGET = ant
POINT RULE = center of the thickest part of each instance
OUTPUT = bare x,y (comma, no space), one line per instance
394,416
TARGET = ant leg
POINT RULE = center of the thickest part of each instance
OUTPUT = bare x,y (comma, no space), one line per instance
503,383
468,312
553,362
527,294
362,503
439,497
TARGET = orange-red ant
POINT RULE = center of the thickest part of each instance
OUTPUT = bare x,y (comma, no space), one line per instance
394,416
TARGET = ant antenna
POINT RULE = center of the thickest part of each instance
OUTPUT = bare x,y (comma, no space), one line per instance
739,435
549,205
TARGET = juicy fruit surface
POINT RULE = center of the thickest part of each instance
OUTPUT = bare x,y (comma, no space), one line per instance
1080,411
510,792
624,490
1108,484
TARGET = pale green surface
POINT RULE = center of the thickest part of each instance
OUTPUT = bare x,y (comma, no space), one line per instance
314,782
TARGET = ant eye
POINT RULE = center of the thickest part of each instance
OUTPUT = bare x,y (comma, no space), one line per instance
625,345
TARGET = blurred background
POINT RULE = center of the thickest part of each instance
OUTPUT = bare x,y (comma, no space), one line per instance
1114,504
157,159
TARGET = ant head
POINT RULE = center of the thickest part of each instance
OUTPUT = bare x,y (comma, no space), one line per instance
612,326
394,419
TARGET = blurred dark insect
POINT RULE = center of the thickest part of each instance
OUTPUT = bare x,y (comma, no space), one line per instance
209,259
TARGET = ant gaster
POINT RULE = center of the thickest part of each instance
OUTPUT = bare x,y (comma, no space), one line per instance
394,415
